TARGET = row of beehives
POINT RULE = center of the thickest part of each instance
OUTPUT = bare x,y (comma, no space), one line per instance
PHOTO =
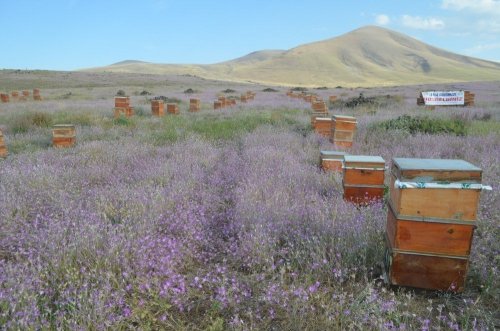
63,135
15,96
123,107
432,211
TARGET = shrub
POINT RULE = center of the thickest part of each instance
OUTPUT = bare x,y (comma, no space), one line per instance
375,101
228,91
321,88
121,93
189,91
299,89
425,125
167,99
269,90
145,93
23,123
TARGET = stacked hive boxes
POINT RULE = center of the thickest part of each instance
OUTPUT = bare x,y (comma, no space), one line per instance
4,97
25,93
172,108
363,178
332,160
323,126
430,222
343,129
217,105
36,95
194,105
319,106
63,135
3,148
244,98
316,115
157,107
14,94
223,101
122,107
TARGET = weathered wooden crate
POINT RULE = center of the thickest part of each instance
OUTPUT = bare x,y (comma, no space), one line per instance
332,160
157,107
122,102
431,221
63,135
363,178
319,106
3,148
323,126
4,97
172,108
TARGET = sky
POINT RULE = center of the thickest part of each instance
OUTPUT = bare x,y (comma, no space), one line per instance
75,34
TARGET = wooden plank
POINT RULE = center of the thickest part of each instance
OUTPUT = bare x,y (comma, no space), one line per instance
363,176
363,194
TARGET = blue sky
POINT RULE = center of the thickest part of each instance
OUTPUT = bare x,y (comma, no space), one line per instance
73,34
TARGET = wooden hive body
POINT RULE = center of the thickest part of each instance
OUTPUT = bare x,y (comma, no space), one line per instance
63,135
363,178
172,108
323,126
431,221
157,107
332,160
3,148
4,97
343,129
217,105
194,105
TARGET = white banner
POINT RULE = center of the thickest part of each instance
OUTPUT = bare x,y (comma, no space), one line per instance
443,98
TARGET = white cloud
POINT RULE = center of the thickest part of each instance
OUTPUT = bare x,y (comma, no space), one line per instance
382,19
417,22
491,7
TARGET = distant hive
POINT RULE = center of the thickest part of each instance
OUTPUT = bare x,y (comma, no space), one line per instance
194,105
363,178
63,135
343,129
316,115
4,97
323,126
26,93
3,148
223,101
122,107
244,98
319,106
172,108
14,94
332,160
217,105
157,107
332,98
36,95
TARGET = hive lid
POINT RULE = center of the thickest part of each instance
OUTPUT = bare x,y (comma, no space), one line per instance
325,119
63,126
332,155
364,161
344,118
432,170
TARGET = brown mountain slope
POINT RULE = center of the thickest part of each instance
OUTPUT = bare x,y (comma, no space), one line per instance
369,56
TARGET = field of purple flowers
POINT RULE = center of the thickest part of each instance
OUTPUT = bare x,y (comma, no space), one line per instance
219,219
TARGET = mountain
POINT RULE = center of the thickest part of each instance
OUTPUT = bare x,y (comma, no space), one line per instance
369,56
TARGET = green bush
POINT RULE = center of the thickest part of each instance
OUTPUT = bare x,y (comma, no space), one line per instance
425,125
24,122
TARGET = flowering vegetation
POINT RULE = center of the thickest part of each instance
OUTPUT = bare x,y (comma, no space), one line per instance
220,220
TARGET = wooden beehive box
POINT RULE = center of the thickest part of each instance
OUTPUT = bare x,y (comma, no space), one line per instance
323,126
243,98
172,108
36,95
122,102
26,93
157,107
223,101
217,105
194,105
332,160
363,178
319,106
14,94
343,130
332,98
36,91
3,148
63,135
316,115
4,97
430,222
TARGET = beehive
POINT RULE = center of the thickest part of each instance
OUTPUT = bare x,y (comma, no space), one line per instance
122,102
250,95
26,93
223,101
36,91
316,115
343,130
4,97
332,160
323,126
3,148
319,106
63,135
172,108
363,178
217,105
36,95
430,222
122,107
332,98
194,105
232,102
157,107
14,94
244,98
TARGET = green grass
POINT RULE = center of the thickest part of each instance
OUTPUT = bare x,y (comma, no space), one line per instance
424,124
482,128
